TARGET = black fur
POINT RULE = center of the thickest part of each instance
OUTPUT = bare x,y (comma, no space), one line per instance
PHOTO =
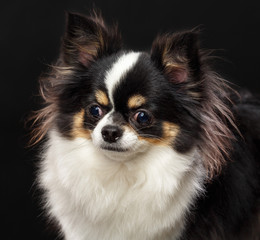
230,207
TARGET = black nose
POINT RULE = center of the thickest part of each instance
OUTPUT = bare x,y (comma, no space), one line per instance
111,133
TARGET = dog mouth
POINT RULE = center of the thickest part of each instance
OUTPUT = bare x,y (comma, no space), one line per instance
113,148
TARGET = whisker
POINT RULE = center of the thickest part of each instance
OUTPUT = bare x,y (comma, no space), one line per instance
89,124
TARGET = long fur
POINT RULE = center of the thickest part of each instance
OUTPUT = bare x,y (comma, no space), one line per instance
191,173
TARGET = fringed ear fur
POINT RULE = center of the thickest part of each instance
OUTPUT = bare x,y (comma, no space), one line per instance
87,38
184,64
177,55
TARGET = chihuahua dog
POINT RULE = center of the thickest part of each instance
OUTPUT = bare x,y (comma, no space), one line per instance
145,146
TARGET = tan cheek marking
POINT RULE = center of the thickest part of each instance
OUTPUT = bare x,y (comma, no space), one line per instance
154,141
102,98
170,131
136,101
78,130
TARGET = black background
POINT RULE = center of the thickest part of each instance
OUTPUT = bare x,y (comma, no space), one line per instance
30,33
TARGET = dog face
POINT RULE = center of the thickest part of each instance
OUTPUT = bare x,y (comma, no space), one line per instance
127,109
125,101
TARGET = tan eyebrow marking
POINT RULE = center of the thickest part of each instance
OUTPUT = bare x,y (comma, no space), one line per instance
102,98
136,101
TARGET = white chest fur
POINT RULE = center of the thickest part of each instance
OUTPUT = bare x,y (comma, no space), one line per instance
94,198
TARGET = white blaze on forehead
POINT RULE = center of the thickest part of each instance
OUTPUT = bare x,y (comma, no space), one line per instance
118,70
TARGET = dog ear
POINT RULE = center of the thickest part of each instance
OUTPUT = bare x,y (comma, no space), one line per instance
177,55
87,39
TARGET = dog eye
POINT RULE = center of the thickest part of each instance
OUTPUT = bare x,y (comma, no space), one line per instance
95,111
142,117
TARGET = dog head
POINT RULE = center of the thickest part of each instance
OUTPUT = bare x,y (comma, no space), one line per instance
125,102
